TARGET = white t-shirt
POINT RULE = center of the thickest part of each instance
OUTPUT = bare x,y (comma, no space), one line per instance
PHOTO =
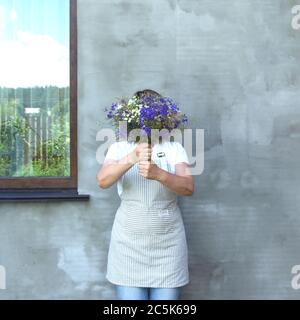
173,151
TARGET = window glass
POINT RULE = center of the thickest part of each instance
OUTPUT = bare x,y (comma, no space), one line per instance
34,88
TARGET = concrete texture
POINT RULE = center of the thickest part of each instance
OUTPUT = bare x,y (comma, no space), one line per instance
234,67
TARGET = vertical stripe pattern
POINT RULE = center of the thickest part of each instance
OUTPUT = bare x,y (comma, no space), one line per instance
148,245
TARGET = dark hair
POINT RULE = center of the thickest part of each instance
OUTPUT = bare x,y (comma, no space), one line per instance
147,93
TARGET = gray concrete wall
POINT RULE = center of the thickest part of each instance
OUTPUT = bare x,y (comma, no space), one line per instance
234,67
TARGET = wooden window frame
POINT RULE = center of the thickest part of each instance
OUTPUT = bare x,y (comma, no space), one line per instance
47,188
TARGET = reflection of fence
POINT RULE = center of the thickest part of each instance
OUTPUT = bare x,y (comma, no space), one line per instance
37,136
24,138
34,128
28,138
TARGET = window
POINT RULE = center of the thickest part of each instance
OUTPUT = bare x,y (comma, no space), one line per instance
38,99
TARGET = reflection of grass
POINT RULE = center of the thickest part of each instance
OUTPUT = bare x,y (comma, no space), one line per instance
4,165
58,168
35,145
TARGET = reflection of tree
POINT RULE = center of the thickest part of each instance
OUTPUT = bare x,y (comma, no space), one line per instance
34,144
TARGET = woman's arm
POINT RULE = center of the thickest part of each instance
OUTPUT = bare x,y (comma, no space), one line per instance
181,182
112,170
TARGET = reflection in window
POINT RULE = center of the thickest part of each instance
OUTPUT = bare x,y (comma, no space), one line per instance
34,88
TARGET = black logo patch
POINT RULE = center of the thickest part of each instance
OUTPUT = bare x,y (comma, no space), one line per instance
161,154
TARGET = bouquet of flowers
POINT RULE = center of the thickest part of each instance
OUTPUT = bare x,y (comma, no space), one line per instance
146,112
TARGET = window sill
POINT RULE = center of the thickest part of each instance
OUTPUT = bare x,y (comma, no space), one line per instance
41,195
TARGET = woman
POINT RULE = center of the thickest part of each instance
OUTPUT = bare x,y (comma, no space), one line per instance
148,256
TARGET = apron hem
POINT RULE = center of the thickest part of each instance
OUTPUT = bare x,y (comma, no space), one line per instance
116,282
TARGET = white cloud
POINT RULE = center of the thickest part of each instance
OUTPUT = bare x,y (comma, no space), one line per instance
33,60
13,15
2,21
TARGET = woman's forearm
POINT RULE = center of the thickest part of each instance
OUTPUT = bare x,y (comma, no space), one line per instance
111,172
182,185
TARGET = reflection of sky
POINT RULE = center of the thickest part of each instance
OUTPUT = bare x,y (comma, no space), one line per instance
34,42
27,15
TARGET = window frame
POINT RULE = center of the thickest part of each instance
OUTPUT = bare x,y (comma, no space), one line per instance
58,182
12,188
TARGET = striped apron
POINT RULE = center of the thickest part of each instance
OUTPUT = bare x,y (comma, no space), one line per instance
148,245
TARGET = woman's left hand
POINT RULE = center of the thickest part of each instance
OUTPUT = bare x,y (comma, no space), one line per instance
149,170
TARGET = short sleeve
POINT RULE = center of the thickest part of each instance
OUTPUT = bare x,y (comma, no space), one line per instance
180,154
112,152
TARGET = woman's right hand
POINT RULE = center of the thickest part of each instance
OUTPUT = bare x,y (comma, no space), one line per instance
112,170
142,152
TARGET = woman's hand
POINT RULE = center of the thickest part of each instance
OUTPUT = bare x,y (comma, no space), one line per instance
181,182
142,152
149,170
112,170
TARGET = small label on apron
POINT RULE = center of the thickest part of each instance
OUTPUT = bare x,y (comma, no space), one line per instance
161,154
163,161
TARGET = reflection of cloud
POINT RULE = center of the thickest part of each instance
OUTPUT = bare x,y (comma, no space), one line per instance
13,15
33,60
2,20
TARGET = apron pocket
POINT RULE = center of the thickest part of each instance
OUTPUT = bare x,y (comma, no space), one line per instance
142,221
